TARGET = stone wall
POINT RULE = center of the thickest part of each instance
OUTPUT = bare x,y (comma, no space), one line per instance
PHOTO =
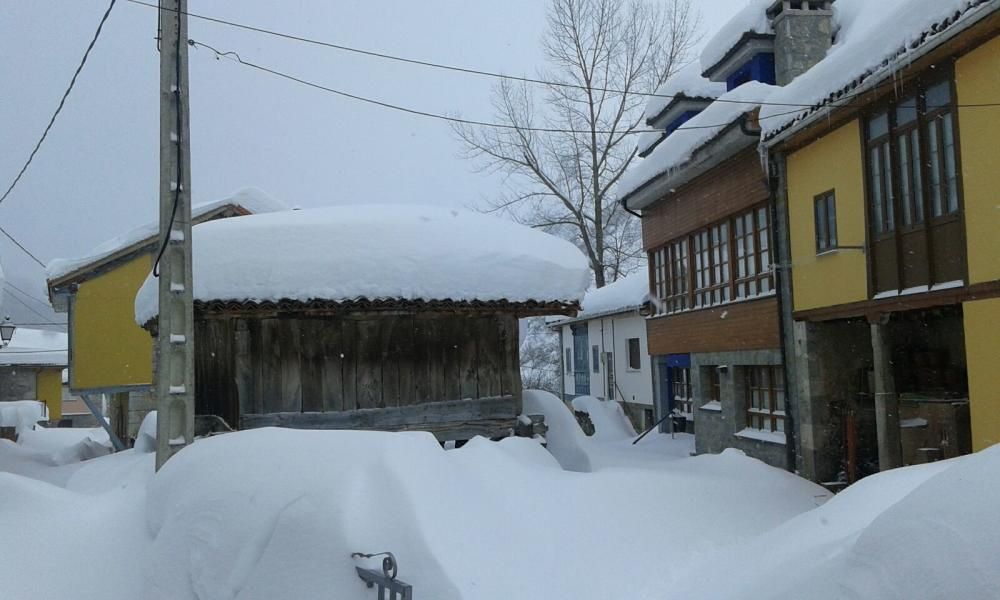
716,429
831,359
18,383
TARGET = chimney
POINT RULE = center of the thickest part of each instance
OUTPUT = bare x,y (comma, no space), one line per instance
803,33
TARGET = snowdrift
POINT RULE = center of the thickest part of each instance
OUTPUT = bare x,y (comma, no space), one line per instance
274,513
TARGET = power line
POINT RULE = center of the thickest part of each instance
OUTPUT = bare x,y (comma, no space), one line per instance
27,295
21,247
28,306
238,59
62,102
484,73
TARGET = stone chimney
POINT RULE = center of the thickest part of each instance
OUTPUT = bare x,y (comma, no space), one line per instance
803,32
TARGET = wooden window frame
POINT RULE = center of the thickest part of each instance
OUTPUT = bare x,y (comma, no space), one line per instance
702,268
768,381
714,384
825,226
892,185
682,389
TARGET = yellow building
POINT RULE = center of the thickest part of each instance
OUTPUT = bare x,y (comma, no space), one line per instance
888,186
31,368
108,352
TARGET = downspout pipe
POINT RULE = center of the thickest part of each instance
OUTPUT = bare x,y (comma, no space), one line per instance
779,219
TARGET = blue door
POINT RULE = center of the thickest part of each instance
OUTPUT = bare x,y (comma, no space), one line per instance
581,366
667,368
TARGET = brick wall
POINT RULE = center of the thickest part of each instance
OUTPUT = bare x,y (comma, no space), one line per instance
736,184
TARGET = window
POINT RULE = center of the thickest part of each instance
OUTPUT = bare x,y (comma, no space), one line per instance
713,380
609,369
765,398
913,190
825,212
681,380
727,260
596,357
569,361
634,354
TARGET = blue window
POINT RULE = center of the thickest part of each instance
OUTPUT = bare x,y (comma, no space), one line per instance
759,68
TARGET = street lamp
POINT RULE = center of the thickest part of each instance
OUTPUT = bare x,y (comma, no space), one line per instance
6,331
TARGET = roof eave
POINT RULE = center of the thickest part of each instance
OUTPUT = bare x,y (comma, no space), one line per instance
56,286
886,74
730,141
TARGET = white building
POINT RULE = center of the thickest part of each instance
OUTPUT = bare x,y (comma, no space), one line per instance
604,350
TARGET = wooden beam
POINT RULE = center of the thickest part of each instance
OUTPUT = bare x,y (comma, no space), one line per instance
450,420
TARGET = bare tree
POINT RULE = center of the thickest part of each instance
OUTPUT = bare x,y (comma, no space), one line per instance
602,55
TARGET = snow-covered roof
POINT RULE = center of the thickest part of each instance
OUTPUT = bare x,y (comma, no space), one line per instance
250,199
874,40
751,19
687,82
681,145
625,295
35,347
377,252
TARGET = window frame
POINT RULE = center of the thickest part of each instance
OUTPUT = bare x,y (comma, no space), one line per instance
822,203
768,382
595,356
682,388
638,354
934,162
711,266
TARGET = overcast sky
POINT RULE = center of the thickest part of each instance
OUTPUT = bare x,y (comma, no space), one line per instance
97,173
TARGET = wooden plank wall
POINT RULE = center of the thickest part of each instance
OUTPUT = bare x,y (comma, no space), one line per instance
327,364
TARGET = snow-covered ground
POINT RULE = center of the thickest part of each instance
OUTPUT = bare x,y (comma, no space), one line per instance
277,513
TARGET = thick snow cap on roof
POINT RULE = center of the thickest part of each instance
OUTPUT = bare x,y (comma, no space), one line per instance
625,294
681,145
686,82
752,19
36,347
873,38
377,252
252,199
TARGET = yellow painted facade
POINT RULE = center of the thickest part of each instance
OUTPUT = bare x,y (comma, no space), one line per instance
108,349
48,389
833,162
977,79
982,346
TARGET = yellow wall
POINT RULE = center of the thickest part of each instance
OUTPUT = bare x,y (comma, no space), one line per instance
834,162
982,346
977,77
109,349
48,389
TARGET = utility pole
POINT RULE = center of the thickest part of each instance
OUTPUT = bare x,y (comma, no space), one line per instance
174,361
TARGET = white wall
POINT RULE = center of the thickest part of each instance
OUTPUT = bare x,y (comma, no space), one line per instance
611,334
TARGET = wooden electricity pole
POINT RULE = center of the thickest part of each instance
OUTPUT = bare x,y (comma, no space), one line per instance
174,362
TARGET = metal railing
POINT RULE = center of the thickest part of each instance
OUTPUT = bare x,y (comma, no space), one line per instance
384,579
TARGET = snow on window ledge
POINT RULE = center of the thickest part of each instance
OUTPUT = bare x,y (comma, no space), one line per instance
773,437
714,406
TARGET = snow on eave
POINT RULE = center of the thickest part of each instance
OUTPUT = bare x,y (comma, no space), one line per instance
35,348
686,84
751,22
627,295
64,270
778,128
378,255
680,148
